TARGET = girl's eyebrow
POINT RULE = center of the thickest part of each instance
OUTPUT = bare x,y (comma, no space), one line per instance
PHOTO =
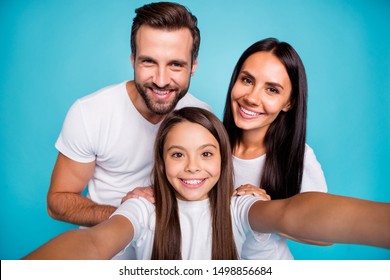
201,147
208,145
175,147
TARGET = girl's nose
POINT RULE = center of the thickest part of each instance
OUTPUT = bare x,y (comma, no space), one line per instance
192,166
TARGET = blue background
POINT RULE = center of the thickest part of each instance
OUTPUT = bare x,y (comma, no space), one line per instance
53,52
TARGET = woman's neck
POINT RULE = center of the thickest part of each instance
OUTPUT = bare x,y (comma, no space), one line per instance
251,145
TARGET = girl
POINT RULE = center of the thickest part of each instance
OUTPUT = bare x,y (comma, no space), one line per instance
196,217
265,117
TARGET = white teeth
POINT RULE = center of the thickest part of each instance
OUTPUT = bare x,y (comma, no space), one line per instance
249,112
192,182
161,92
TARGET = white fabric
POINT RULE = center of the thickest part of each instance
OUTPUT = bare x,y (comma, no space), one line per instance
274,247
195,224
107,127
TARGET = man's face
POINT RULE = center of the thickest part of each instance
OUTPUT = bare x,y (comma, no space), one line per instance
162,67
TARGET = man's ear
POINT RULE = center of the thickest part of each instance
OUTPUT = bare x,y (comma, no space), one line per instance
194,66
132,60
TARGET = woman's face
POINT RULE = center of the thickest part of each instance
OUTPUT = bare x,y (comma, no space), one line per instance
192,160
261,91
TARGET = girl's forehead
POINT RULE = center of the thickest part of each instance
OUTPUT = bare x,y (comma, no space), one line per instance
189,134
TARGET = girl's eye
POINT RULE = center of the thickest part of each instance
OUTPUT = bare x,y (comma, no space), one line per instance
177,155
207,154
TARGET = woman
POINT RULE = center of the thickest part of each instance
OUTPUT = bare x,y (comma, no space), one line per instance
265,117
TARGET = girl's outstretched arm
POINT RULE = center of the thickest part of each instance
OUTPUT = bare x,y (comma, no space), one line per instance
325,217
102,241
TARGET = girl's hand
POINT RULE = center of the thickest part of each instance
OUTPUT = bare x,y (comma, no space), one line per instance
251,190
145,192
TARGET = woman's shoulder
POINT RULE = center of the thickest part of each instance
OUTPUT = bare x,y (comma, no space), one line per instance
309,153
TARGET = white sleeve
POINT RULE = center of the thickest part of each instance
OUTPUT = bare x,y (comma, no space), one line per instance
313,178
138,211
240,209
74,141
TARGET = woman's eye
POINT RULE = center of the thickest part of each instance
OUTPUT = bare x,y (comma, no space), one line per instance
273,90
246,80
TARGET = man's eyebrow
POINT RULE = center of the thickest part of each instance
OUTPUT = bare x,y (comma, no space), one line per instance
178,61
145,57
173,61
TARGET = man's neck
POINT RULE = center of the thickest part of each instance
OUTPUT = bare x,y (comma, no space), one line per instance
140,105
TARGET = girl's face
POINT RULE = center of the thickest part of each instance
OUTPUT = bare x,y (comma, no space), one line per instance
261,91
192,160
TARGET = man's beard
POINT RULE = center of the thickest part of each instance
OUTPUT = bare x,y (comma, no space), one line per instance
160,108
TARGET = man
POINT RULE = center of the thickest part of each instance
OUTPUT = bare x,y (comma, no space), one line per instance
107,138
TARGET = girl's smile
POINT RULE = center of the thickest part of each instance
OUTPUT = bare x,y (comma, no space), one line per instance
193,183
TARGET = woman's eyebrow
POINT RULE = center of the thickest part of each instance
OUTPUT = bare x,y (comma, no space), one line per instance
274,84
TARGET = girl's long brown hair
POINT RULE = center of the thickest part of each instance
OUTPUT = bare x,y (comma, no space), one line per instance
167,238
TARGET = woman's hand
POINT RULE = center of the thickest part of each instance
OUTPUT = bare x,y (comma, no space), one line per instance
251,190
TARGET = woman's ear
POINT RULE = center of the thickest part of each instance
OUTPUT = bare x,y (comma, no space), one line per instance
287,107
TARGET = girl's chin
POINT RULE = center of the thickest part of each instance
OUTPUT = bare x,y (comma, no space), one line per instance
192,197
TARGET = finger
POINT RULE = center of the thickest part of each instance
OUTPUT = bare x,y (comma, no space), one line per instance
149,191
262,196
129,196
250,188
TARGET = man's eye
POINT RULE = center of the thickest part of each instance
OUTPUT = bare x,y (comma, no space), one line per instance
177,65
147,61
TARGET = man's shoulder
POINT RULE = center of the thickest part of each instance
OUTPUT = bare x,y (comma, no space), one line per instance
191,101
104,94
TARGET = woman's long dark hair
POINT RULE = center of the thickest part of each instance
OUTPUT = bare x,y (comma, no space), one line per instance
167,239
285,139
